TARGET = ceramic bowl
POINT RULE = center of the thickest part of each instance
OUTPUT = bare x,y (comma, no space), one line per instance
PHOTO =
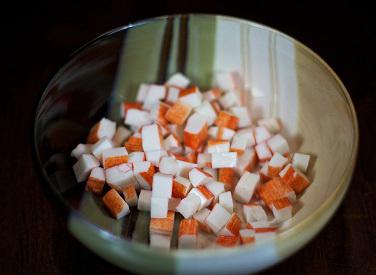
281,77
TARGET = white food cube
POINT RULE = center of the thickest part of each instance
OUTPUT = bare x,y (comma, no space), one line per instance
159,207
83,166
159,241
276,164
155,94
225,200
142,92
216,188
81,149
188,206
185,167
115,204
119,153
203,160
151,138
140,167
137,118
172,94
218,146
198,177
155,156
207,111
282,211
254,213
246,186
212,172
238,144
261,134
247,133
272,124
168,165
300,161
205,198
228,100
201,215
193,99
162,185
104,128
144,200
221,133
223,160
136,157
243,115
217,218
171,142
178,80
120,176
263,152
121,135
101,145
278,144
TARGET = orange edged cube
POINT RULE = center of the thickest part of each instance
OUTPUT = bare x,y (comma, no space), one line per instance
115,204
188,233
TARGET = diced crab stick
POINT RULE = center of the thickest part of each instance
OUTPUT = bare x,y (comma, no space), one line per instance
223,160
136,157
276,164
173,203
144,200
261,134
171,142
191,96
96,181
115,204
254,213
207,111
247,236
188,233
130,195
228,100
264,174
121,135
158,112
163,226
217,218
159,207
185,167
155,156
278,143
178,80
226,119
144,172
201,216
162,185
247,133
300,161
227,176
287,174
180,187
172,94
189,205
212,94
114,156
204,160
218,146
246,161
271,124
282,209
100,146
199,177
221,133
299,182
134,143
83,166
225,199
155,93
232,227
103,128
275,189
238,144
263,152
130,105
227,241
81,149
151,138
137,118
177,131
243,115
178,113
120,176
168,165
204,194
246,186
216,188
196,131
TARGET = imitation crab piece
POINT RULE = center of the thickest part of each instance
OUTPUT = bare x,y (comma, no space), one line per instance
80,150
203,193
199,177
238,144
201,216
185,167
151,138
155,156
247,133
162,185
228,120
254,213
247,236
191,96
189,205
246,161
217,218
228,100
243,115
115,204
207,111
104,128
223,160
158,112
144,172
130,195
161,242
171,142
276,164
221,133
178,80
227,241
120,176
100,146
114,156
136,157
246,187
96,181
134,143
278,143
274,190
121,135
261,134
155,93
159,207
212,94
232,227
83,166
180,187
196,131
227,176
204,160
144,200
188,233
168,165
263,152
218,146
137,118
172,94
163,226
225,200
282,209
300,161
178,113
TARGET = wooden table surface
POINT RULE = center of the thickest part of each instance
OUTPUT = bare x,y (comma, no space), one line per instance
33,236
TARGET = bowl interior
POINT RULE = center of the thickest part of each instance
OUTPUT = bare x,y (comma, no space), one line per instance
280,77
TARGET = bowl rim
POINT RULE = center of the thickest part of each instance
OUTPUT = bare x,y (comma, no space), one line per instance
334,198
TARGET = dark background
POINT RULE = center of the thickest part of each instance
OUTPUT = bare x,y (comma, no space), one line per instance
37,38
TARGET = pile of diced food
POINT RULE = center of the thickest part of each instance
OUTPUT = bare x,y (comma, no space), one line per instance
195,154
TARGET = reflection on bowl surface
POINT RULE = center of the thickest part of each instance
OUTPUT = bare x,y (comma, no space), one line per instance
281,77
